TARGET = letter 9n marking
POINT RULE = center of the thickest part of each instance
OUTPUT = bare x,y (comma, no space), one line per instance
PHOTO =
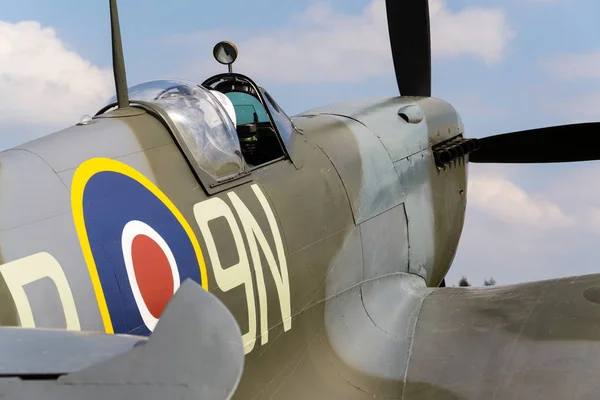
240,273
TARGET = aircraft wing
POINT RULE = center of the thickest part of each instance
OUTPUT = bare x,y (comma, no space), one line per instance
537,340
195,352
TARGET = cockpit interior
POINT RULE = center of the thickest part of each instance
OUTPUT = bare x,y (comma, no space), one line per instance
249,108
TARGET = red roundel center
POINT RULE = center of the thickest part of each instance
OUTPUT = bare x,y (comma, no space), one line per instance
152,272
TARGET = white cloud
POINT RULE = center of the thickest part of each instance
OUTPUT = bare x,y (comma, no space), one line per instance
548,226
500,198
566,99
575,65
577,187
482,32
44,83
576,108
326,45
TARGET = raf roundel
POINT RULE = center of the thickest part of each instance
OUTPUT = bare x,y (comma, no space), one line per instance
137,245
151,270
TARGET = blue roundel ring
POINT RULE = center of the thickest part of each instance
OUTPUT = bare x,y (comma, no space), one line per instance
106,197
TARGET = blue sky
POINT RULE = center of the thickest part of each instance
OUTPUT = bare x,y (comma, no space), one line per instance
505,65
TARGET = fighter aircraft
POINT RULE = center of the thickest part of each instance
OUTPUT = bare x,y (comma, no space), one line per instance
191,240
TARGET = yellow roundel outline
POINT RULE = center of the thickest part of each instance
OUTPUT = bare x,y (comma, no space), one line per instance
82,175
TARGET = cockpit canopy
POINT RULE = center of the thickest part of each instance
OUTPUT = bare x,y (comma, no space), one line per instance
226,127
205,124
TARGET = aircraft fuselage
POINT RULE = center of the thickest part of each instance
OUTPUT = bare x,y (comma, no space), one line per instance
100,223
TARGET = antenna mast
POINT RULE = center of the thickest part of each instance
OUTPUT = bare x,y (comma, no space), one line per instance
118,59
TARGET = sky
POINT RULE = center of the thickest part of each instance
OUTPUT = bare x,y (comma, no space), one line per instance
505,65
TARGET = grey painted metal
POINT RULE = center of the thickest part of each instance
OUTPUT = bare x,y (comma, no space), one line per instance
411,113
125,135
415,175
195,352
56,352
385,244
24,177
370,327
534,340
439,121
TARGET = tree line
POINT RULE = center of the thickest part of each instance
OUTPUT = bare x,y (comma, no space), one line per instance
487,282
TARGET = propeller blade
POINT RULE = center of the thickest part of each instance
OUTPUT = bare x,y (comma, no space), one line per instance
563,143
408,24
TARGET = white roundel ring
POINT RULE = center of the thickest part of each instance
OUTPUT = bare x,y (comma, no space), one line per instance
151,269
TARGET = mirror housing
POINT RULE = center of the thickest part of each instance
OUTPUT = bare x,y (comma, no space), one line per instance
225,53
